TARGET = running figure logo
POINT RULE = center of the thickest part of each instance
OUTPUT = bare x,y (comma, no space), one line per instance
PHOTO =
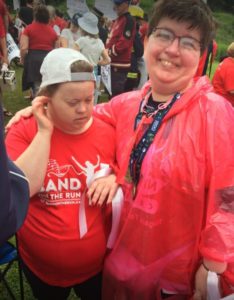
88,170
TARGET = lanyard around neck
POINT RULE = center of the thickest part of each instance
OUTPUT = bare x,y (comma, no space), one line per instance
139,151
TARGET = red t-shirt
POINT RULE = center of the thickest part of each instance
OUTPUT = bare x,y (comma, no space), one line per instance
41,36
60,22
2,30
3,9
49,240
223,80
3,12
143,31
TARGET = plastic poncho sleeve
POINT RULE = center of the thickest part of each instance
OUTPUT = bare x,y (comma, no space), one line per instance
105,112
217,242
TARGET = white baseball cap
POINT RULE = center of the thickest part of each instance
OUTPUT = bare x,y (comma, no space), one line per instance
56,67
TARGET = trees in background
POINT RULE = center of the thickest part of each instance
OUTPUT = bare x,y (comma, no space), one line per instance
224,5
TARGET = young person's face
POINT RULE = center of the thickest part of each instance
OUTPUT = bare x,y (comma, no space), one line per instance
74,28
71,106
120,9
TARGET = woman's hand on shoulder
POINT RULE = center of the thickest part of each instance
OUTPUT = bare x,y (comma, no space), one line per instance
102,190
23,113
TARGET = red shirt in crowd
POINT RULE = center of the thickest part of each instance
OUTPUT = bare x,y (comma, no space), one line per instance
41,36
223,80
3,12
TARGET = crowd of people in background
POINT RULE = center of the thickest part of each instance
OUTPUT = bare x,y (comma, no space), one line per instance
166,139
122,43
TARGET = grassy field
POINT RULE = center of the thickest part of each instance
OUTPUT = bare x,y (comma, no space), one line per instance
14,100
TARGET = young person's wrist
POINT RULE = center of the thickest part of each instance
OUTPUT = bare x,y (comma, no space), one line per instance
214,266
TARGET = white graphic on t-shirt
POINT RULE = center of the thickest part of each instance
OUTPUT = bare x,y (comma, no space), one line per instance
55,169
62,185
88,170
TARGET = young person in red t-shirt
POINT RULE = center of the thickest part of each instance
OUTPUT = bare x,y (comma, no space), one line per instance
62,149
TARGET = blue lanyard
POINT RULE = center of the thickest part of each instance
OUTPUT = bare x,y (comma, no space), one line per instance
139,151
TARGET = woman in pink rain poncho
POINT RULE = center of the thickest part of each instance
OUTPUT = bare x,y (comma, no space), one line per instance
175,144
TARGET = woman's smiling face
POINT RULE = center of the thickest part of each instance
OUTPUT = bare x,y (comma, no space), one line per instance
171,66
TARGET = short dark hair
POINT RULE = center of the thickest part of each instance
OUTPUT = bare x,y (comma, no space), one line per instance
194,12
41,14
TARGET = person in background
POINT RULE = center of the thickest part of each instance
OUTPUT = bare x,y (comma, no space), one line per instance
4,16
36,41
172,137
223,79
25,13
91,46
63,241
3,47
56,22
143,27
103,31
61,20
119,44
69,35
133,76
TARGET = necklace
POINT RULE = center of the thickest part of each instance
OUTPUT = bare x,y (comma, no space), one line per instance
140,149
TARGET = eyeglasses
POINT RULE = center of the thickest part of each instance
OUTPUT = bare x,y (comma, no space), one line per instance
166,37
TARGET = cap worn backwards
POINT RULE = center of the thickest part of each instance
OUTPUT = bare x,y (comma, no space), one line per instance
56,67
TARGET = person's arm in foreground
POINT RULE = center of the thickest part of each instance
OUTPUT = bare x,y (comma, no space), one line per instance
33,161
5,202
12,182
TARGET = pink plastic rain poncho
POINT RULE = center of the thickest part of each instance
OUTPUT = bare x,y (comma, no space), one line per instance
184,206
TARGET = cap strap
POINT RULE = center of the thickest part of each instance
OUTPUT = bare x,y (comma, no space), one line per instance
83,76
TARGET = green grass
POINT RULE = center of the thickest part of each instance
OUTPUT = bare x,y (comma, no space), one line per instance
225,32
14,100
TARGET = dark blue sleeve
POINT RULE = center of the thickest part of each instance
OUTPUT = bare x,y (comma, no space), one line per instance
14,192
